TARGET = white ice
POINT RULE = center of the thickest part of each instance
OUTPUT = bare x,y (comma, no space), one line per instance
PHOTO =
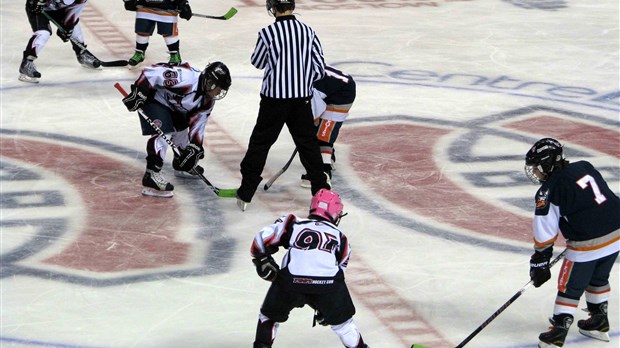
451,94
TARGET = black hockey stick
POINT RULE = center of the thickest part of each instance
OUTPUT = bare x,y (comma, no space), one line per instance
97,61
219,192
280,172
226,16
505,305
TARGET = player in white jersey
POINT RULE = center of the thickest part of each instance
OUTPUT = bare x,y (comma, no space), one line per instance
162,14
179,100
312,271
67,14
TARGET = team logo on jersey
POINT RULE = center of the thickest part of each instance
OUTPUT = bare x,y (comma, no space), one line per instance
542,197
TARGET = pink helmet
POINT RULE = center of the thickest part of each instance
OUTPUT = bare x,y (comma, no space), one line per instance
327,205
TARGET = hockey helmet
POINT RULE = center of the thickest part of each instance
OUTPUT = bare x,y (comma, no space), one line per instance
215,75
327,205
543,159
280,5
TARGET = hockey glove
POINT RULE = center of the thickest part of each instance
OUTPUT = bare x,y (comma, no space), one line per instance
131,5
64,34
36,6
188,158
539,267
135,99
266,267
185,11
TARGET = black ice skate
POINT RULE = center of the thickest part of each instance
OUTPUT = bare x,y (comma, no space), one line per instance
155,185
28,71
597,326
557,333
88,60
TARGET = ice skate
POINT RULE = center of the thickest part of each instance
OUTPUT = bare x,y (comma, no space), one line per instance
137,58
556,335
88,60
28,71
155,185
175,58
327,169
305,182
597,326
243,205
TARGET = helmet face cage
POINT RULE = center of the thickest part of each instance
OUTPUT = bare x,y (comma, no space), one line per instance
327,204
543,159
213,76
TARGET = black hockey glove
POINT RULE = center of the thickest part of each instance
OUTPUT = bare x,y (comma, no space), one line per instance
131,5
266,267
64,34
185,11
135,99
539,267
188,158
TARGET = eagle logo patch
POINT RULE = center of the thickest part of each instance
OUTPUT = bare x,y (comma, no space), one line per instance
541,199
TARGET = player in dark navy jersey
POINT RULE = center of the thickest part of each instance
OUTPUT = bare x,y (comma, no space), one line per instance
575,200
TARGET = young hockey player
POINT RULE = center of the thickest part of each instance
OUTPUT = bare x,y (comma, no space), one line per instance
67,14
179,100
332,98
312,271
160,13
575,200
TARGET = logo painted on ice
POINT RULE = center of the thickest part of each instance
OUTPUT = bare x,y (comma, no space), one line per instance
74,213
424,163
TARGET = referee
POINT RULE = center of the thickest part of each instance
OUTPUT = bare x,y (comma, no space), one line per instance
292,56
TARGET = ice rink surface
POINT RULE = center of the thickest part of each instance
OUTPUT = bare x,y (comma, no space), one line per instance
451,94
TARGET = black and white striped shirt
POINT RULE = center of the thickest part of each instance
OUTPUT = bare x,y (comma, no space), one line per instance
292,56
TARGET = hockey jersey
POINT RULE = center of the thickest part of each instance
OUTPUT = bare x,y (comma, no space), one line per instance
176,87
317,252
335,88
577,202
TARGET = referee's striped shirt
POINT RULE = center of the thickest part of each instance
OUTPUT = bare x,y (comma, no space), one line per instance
292,56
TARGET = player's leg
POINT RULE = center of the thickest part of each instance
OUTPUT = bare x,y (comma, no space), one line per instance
597,296
153,182
41,32
276,307
170,33
143,28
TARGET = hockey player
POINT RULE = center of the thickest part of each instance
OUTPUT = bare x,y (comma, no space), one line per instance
65,13
332,98
575,200
179,100
312,271
160,13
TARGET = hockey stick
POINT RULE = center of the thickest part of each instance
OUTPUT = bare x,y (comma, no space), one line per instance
97,61
505,305
219,192
226,16
280,172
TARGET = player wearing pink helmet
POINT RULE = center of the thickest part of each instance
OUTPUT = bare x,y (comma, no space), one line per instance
312,271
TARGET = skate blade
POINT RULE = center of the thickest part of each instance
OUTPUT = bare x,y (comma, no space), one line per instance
598,335
151,192
542,344
242,205
26,78
305,183
185,175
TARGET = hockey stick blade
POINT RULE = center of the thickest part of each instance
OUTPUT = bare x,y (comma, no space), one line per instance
226,16
111,63
228,193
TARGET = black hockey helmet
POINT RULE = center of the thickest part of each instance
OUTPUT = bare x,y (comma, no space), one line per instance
543,159
280,5
215,75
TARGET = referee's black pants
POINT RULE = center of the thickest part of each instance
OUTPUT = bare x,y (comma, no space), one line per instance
273,114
